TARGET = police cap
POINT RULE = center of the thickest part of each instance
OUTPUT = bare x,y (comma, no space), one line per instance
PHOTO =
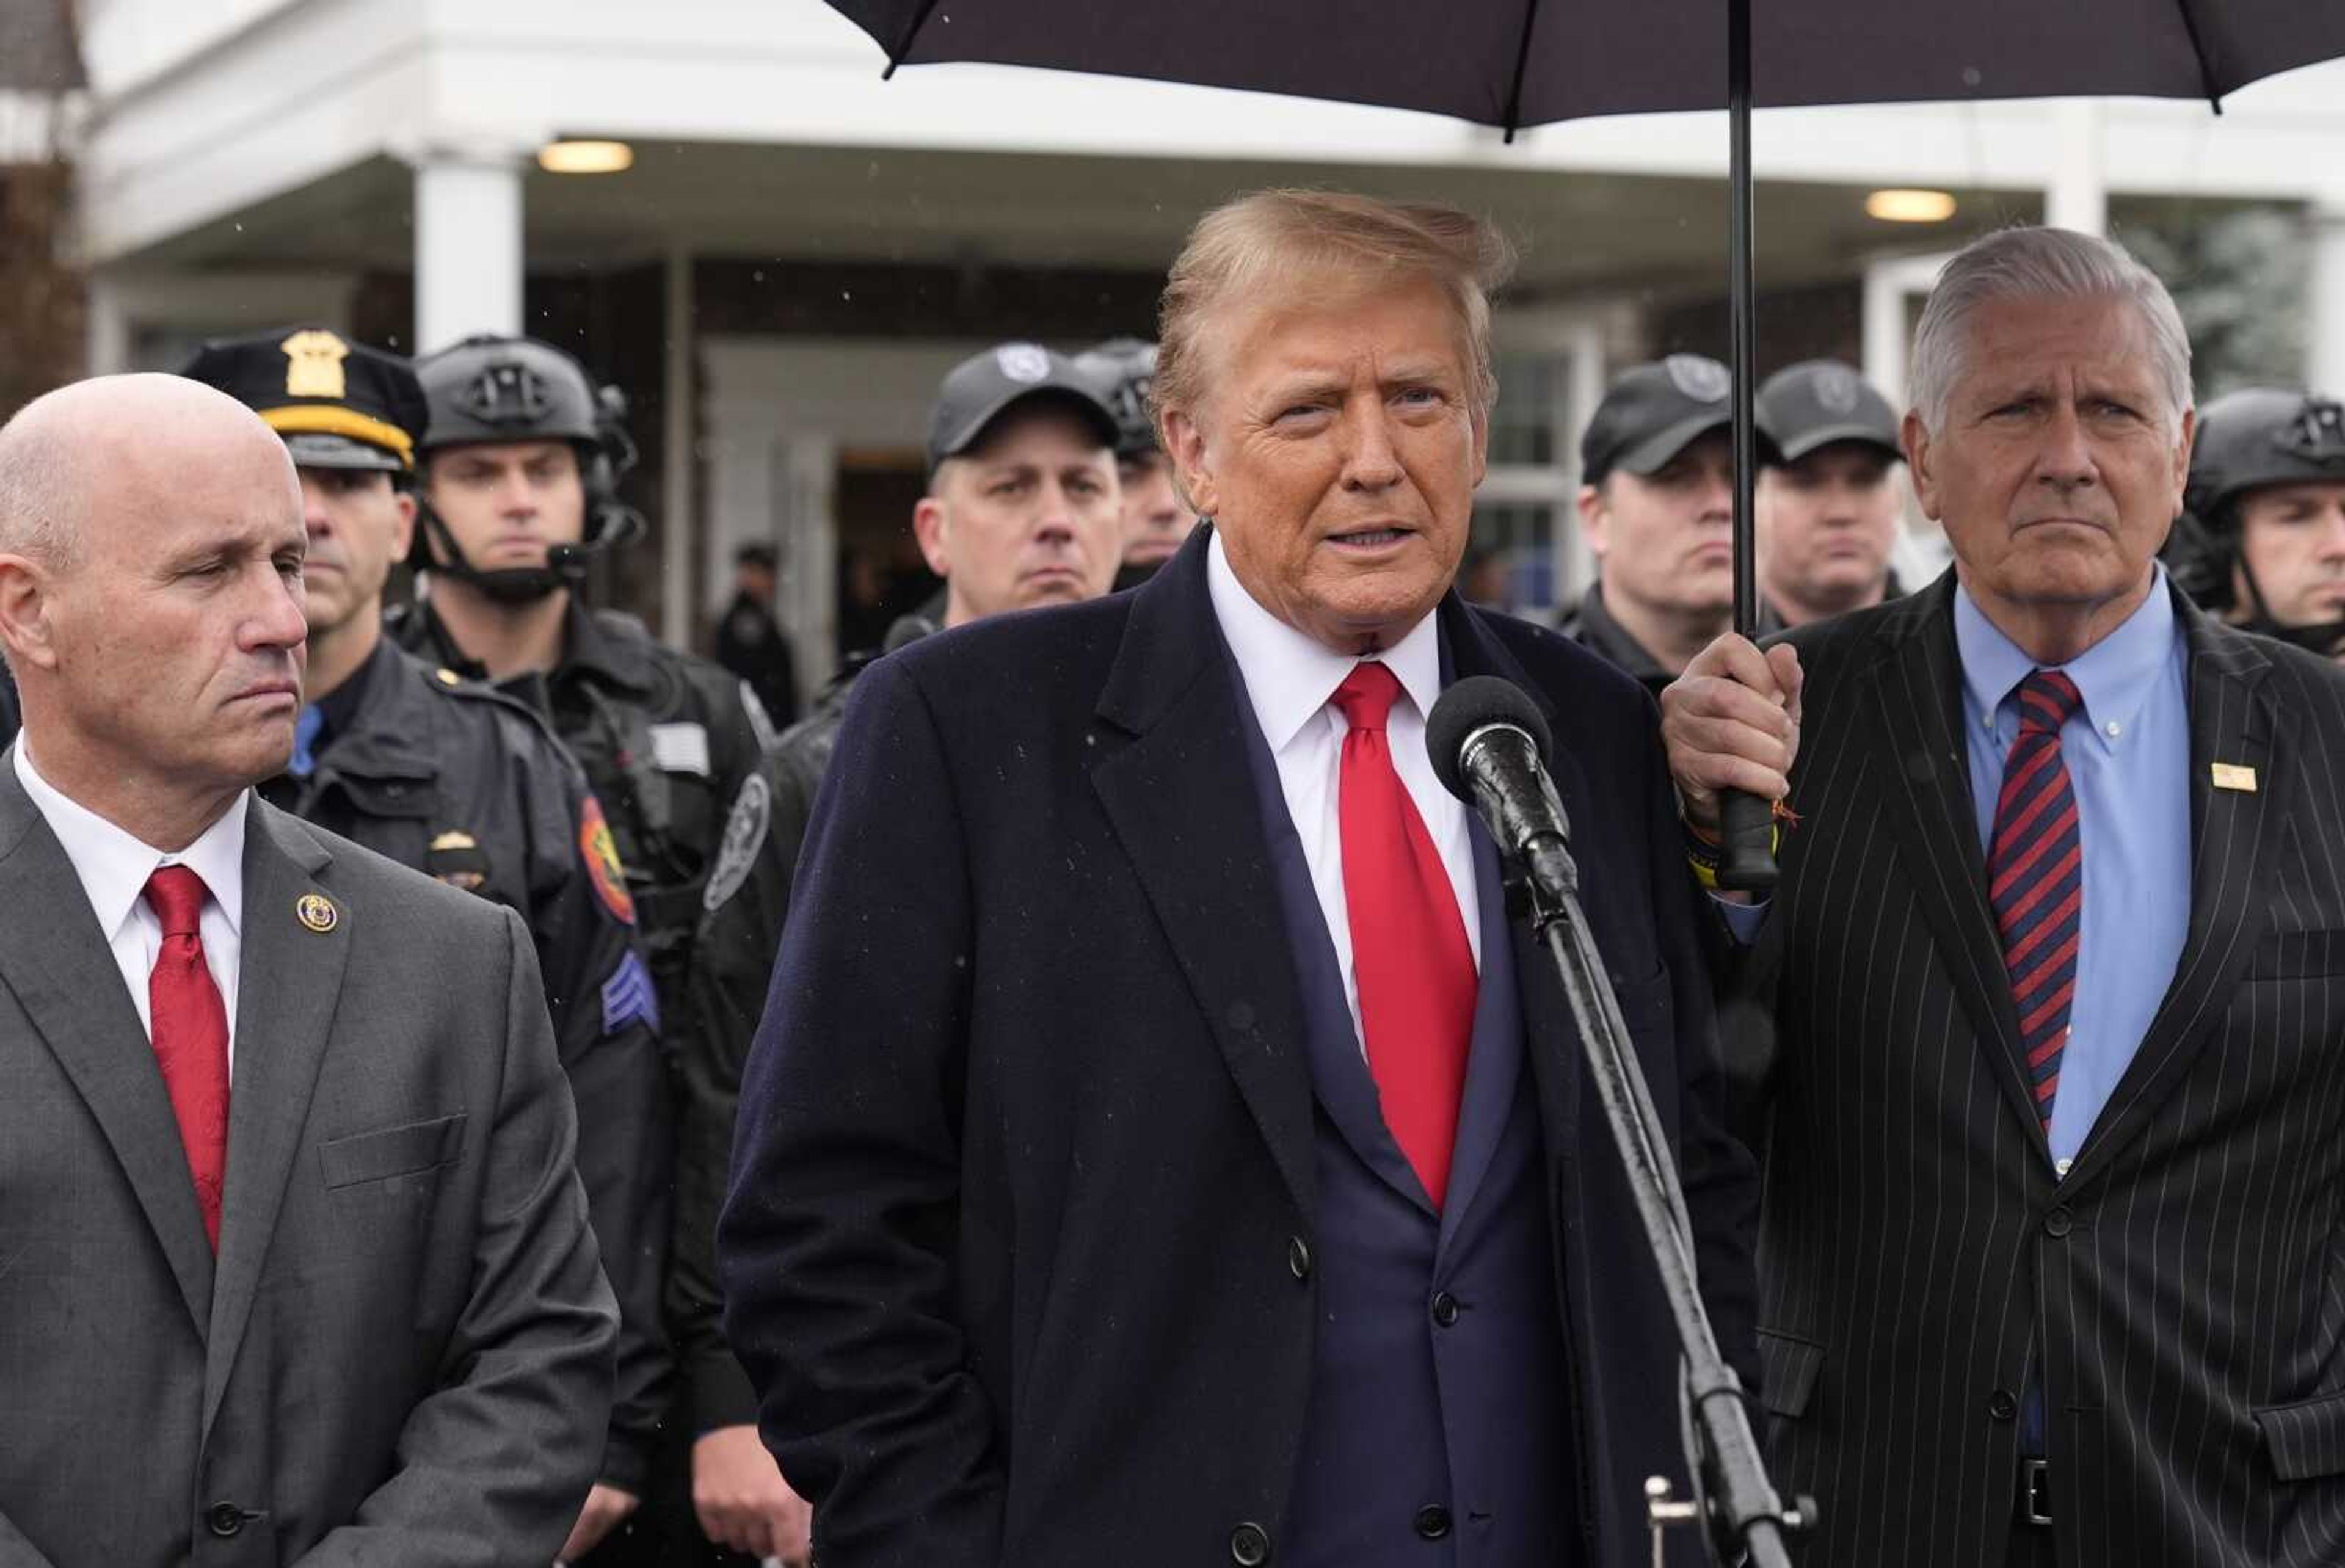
490,389
1811,405
1653,412
983,387
1125,369
338,404
2261,436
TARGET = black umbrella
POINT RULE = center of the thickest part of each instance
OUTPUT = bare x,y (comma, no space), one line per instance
1516,63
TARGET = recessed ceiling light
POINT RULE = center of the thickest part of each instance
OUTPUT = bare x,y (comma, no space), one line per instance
585,157
1910,206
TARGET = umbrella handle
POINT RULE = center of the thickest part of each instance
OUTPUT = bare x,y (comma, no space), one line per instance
1746,851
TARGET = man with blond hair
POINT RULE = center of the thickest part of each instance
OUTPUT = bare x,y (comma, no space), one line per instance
1160,1148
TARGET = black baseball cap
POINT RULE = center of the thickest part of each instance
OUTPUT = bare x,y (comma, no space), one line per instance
1816,402
983,387
1653,412
338,404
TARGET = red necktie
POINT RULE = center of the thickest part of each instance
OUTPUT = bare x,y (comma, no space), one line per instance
190,1029
2035,876
1409,952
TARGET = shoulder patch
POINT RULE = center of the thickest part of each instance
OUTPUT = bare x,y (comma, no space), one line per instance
601,853
744,834
628,996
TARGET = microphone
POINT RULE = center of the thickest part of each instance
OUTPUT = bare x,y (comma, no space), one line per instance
1489,743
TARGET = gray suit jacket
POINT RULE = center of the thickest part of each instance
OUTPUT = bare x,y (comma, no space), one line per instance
404,1351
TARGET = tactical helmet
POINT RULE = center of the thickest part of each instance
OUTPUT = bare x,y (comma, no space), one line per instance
2257,437
1125,369
490,389
2246,441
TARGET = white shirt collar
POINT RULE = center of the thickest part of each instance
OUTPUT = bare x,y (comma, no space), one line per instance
1290,675
114,866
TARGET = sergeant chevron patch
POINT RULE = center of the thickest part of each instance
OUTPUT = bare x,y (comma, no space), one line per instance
628,996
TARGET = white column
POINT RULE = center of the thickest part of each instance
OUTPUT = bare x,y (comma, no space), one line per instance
107,326
2078,194
680,466
468,245
2324,355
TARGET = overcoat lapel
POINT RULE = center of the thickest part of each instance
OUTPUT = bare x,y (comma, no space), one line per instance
56,961
292,976
1172,779
2235,841
1917,705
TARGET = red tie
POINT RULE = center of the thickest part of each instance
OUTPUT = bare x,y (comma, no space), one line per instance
1414,967
190,1028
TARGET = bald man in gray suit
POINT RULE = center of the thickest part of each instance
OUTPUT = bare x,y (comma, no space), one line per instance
294,1264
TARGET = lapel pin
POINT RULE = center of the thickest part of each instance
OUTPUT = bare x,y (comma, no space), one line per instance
317,910
2233,775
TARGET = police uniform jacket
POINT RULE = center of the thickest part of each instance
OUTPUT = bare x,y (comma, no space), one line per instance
447,777
666,740
748,895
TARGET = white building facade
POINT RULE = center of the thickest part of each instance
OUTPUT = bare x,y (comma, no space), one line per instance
799,250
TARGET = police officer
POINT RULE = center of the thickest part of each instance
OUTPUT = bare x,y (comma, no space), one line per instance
1021,510
1828,502
1657,508
464,784
2267,494
1155,519
751,643
518,471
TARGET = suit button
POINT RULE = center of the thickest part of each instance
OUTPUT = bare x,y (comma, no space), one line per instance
1445,1309
224,1519
2001,1405
1249,1546
2059,1222
1433,1521
1298,1258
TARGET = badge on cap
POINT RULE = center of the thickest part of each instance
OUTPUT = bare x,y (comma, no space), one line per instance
1705,380
317,910
2235,776
1023,362
1837,390
313,365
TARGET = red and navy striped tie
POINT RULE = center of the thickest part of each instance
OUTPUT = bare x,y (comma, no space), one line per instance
2035,876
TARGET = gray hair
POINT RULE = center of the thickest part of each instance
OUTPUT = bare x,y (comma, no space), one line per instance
2032,263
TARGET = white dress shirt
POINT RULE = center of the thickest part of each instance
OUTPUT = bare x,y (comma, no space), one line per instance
1290,678
113,867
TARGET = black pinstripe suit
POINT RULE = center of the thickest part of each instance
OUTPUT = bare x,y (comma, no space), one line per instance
2185,1285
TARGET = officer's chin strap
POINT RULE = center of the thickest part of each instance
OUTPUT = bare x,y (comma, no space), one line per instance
2326,637
565,565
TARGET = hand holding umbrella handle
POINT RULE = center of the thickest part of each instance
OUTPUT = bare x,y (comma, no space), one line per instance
1746,851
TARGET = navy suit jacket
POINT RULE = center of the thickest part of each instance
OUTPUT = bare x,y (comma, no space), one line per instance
1019,1251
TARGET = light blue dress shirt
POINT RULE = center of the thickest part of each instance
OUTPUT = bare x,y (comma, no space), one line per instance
2128,756
2127,751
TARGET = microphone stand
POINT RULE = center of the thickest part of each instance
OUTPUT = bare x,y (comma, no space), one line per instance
1722,1452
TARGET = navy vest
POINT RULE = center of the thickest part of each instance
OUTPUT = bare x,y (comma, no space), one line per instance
1438,1435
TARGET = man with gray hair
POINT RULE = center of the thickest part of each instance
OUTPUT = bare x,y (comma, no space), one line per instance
1161,1147
2049,1256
